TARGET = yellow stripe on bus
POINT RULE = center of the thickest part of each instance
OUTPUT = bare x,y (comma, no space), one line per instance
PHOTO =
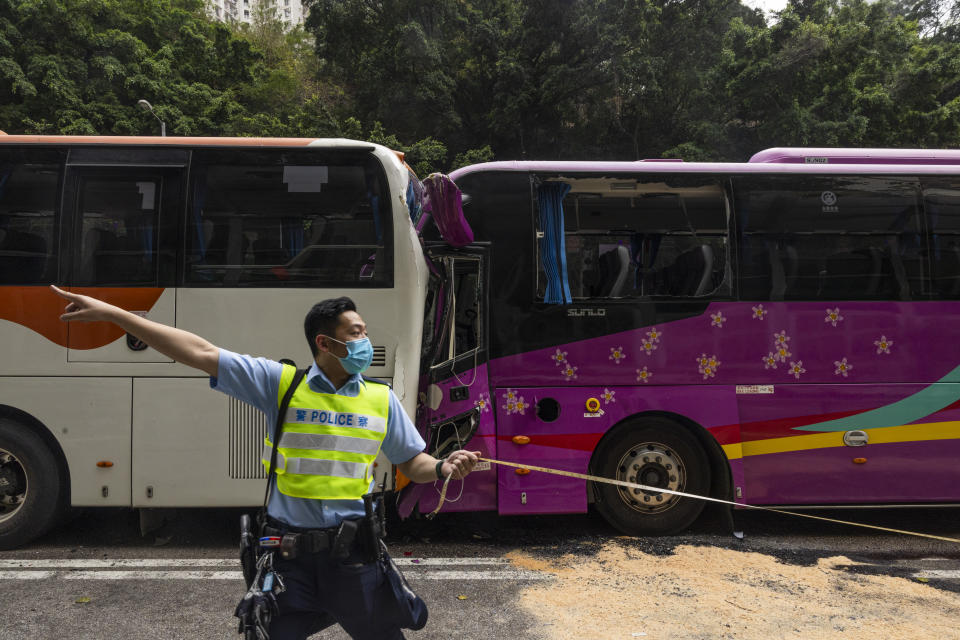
886,435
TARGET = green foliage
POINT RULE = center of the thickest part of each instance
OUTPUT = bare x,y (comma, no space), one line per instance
452,82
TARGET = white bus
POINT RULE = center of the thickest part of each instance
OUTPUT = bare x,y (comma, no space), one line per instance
233,239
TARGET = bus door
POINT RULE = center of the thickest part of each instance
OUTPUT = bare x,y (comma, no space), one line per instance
455,402
123,206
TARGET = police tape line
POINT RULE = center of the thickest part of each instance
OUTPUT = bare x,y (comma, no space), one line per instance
643,487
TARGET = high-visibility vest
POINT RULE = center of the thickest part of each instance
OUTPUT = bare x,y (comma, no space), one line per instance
328,442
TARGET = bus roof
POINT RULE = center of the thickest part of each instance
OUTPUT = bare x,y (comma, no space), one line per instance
829,155
183,141
561,167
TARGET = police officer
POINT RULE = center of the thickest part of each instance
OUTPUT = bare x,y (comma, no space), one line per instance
317,492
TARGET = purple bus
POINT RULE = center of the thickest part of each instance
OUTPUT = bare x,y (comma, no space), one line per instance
777,332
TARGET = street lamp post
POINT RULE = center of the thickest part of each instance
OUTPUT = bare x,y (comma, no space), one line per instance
146,106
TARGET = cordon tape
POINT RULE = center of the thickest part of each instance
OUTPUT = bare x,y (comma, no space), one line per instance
643,487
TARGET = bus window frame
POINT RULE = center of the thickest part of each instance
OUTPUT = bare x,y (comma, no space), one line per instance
727,286
446,337
58,158
170,200
363,158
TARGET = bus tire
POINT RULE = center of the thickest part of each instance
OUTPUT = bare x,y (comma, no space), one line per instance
653,451
31,488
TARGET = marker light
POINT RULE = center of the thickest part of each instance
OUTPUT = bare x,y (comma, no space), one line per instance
104,464
520,439
521,472
859,461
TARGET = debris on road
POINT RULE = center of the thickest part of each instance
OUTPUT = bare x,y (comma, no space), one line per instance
715,592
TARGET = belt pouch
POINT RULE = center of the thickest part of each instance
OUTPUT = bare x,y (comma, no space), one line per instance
288,545
343,540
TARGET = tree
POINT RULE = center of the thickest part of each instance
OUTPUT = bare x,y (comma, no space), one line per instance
835,73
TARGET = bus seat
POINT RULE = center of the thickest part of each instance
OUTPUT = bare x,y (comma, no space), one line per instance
216,250
94,242
689,275
614,267
706,276
778,276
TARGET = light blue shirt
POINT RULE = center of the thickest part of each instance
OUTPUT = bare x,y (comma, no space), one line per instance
256,381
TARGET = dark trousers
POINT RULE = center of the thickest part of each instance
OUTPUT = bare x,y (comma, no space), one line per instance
321,592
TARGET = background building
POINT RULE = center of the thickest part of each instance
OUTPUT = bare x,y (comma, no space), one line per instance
290,12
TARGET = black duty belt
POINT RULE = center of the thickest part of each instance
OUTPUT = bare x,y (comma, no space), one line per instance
309,541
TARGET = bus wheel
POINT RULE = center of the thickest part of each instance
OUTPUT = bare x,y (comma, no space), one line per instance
30,487
655,452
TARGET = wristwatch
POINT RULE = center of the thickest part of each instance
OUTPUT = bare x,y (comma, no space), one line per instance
440,475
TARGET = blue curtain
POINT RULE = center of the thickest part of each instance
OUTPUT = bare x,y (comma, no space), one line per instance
292,236
553,250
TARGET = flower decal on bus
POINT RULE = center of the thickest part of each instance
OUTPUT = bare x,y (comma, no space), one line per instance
607,396
843,367
770,360
569,372
654,335
617,354
483,402
707,365
560,357
514,403
643,375
796,368
717,319
759,312
782,353
833,316
883,345
649,346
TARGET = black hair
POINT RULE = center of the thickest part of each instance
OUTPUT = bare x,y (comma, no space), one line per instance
324,317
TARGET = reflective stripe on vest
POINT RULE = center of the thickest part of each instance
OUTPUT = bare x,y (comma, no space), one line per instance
328,442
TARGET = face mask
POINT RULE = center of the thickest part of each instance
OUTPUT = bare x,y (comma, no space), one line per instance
359,355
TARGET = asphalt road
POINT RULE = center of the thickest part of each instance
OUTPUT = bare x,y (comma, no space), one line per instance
98,577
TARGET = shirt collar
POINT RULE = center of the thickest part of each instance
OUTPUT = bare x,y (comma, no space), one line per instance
317,378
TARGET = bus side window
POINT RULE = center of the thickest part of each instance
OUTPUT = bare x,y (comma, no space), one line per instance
118,230
661,236
29,181
942,204
287,218
829,238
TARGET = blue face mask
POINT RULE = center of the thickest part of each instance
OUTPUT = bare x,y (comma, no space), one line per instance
359,355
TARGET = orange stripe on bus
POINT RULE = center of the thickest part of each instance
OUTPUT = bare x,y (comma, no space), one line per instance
39,309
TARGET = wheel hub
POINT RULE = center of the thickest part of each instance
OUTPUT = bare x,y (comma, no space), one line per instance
654,465
13,485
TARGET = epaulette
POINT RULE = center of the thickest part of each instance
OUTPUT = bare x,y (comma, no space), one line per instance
376,380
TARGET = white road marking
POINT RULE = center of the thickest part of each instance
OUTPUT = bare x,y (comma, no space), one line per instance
151,575
192,569
938,574
26,575
476,575
87,563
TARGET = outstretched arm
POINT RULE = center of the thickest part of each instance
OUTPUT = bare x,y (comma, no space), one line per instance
182,346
